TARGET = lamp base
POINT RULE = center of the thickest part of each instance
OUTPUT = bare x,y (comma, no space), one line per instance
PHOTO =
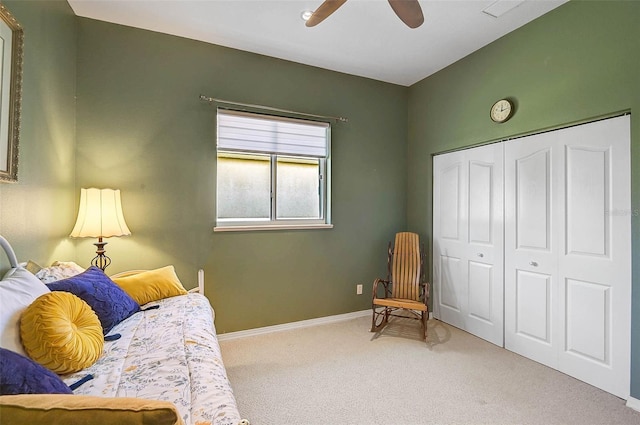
101,260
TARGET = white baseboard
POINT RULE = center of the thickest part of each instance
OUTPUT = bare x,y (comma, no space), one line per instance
293,325
633,403
296,325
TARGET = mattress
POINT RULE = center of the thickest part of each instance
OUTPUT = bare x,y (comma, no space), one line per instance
170,353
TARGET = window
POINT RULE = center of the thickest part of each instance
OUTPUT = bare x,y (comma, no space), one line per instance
272,172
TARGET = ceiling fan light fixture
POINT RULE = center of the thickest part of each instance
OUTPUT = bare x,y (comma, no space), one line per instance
305,15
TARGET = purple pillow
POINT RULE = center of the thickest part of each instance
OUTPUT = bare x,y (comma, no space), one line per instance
21,375
108,300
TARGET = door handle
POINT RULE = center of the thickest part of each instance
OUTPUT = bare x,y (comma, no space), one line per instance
480,255
533,263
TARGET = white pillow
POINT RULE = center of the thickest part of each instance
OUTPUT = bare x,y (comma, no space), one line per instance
18,289
59,270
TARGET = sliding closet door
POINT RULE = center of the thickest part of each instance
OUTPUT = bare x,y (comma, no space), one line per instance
595,266
468,240
449,238
568,251
532,176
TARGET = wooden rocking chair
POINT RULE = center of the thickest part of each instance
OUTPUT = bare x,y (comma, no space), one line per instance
405,287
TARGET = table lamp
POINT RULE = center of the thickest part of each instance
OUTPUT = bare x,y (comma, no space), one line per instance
100,216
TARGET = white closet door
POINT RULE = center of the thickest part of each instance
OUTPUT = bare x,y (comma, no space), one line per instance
484,249
595,265
468,240
568,251
531,246
449,237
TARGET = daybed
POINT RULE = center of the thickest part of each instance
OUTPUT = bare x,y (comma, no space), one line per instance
161,364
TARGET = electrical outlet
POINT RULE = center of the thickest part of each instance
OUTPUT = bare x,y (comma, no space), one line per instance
359,289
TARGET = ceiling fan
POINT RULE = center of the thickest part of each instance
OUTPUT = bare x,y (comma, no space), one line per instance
408,11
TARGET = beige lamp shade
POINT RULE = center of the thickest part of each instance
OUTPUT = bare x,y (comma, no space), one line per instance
100,214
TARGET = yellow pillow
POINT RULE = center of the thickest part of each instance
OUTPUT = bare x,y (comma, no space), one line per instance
61,332
151,285
50,409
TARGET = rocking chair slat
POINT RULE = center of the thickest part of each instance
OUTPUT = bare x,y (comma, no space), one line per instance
406,266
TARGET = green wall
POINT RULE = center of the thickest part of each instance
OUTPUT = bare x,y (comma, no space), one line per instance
141,128
576,63
37,212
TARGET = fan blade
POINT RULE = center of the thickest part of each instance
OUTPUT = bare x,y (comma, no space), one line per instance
323,12
409,12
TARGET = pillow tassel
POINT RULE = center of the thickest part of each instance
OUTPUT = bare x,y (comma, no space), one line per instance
84,380
112,337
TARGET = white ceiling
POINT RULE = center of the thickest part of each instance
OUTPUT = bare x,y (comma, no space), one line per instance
363,37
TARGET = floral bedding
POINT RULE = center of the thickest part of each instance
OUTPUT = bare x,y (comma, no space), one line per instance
170,353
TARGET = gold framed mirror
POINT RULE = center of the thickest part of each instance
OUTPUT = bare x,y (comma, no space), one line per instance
11,52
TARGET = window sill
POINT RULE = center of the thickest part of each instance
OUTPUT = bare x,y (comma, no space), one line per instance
253,228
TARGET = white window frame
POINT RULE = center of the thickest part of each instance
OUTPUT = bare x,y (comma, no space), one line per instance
273,223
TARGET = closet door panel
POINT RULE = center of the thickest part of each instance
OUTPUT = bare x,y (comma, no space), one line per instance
533,306
450,198
480,291
533,200
587,200
595,260
451,268
480,197
449,236
588,307
484,249
468,241
532,167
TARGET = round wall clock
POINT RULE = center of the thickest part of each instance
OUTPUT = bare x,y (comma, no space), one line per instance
501,111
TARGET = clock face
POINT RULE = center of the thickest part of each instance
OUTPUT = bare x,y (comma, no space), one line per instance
501,110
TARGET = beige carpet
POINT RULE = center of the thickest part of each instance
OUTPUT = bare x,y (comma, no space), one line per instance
340,373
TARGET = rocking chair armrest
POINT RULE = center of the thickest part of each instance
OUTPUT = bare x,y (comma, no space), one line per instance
385,283
425,290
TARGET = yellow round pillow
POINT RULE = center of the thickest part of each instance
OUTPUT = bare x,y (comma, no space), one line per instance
61,332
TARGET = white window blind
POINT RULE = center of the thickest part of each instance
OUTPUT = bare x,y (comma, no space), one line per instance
238,131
